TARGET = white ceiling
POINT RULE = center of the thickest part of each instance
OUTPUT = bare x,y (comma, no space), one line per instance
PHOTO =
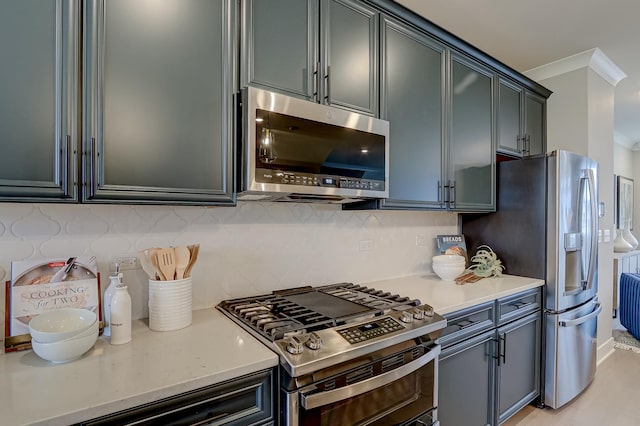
525,34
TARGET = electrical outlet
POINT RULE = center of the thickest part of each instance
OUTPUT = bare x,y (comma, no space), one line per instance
127,263
421,241
366,245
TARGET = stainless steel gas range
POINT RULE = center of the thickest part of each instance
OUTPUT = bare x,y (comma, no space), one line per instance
349,355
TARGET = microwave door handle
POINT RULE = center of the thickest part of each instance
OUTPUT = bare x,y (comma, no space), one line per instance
316,400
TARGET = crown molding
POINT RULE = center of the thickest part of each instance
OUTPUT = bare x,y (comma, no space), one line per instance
592,58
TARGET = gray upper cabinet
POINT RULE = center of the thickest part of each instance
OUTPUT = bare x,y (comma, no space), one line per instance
521,120
470,182
510,98
321,50
413,85
38,107
157,102
535,123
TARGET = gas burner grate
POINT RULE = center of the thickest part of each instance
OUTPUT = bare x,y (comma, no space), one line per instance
307,309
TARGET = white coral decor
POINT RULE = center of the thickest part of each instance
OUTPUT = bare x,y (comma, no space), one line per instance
486,263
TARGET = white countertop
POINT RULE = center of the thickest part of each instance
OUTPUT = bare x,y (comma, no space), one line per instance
108,378
156,365
447,296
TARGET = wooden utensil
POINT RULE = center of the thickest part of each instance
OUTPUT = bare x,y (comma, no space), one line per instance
167,263
183,257
194,249
147,265
153,256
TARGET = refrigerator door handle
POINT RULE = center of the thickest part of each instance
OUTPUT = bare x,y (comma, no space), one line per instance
594,228
581,320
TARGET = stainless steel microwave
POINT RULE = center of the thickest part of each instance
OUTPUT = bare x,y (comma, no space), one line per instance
296,150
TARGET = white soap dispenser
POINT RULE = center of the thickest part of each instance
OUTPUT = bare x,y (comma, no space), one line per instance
115,278
120,320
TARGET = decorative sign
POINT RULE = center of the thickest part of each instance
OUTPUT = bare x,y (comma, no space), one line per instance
39,286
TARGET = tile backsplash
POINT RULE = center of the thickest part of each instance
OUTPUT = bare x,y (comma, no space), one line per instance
245,250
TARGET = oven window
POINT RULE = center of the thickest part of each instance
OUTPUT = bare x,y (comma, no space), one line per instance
294,144
400,402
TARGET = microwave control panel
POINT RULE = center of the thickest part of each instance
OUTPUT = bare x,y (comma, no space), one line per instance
307,179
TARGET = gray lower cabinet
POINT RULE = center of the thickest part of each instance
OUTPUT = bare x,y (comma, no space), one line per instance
465,382
38,107
490,361
247,400
518,372
521,120
322,50
158,102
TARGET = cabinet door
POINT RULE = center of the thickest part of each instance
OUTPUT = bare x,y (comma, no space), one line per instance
510,98
280,46
350,55
466,382
38,80
535,124
157,99
412,101
518,374
471,141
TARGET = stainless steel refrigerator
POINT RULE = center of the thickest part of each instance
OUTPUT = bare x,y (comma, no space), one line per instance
546,226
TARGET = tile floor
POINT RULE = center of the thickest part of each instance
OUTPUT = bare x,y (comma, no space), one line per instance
613,399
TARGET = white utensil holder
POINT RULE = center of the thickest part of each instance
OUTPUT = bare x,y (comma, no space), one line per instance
170,304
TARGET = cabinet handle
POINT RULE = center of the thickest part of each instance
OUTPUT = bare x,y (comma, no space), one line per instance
466,324
441,200
93,177
316,81
68,180
452,195
520,145
504,348
528,140
327,86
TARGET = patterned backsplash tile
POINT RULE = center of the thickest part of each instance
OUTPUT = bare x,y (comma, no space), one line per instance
250,249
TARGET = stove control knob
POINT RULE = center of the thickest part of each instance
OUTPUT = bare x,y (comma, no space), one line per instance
418,313
295,346
314,341
406,317
428,310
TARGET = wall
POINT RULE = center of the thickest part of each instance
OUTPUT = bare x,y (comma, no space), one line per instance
251,249
623,160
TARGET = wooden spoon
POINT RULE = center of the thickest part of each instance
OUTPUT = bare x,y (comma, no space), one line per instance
183,257
167,263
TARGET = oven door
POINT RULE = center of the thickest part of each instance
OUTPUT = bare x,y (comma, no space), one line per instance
400,389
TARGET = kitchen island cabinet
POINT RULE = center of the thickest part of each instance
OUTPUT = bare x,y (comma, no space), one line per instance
158,102
154,366
324,51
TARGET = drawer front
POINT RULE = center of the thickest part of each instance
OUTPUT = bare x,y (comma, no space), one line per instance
242,401
468,322
519,305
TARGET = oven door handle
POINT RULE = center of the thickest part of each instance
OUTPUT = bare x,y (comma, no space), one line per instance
316,400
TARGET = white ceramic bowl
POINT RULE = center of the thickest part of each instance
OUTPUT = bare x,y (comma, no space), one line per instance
448,272
448,259
61,324
64,351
